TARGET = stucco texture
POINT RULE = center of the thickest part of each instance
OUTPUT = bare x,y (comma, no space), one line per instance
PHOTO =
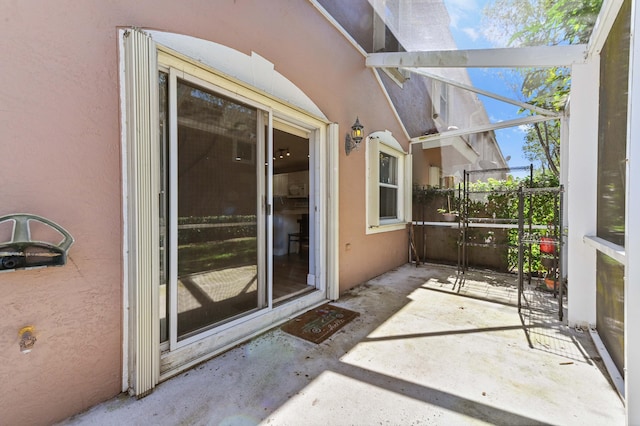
60,126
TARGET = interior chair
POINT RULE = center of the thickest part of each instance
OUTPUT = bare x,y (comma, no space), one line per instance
301,237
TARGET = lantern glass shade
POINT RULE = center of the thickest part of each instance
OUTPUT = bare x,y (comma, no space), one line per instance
356,131
353,139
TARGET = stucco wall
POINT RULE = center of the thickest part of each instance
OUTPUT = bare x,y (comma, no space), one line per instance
61,140
61,160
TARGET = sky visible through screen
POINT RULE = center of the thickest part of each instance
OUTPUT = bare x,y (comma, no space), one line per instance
466,27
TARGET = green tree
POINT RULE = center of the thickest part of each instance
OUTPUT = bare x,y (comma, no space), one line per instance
519,23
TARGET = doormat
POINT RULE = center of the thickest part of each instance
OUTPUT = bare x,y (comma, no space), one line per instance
318,324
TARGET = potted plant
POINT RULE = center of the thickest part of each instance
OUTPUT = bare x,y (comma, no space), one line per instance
548,257
449,214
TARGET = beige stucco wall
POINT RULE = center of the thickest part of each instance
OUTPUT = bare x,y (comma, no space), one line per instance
363,256
61,159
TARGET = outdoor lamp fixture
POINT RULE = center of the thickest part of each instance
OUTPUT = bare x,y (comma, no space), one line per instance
352,141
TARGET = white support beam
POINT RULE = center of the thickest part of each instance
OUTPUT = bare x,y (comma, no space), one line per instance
614,251
483,128
606,18
582,183
461,149
483,92
517,57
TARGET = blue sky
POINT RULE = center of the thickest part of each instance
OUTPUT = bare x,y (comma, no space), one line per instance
466,27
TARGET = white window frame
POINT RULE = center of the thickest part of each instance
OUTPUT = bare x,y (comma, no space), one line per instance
395,184
384,142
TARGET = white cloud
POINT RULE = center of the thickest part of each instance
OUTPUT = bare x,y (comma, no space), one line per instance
468,5
524,128
472,33
461,10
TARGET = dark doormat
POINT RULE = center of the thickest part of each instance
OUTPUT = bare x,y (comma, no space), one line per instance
319,323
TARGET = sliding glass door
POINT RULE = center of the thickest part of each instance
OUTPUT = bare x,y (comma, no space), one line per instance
211,257
213,208
237,231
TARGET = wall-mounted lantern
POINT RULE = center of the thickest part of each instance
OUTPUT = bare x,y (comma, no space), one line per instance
352,141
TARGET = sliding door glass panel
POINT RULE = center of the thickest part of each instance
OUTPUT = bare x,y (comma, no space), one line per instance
217,193
163,101
291,216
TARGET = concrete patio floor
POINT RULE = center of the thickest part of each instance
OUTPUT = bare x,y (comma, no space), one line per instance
419,353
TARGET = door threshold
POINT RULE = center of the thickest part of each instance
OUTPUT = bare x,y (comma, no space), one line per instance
293,295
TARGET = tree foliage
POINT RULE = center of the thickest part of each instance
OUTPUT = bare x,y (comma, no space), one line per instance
519,23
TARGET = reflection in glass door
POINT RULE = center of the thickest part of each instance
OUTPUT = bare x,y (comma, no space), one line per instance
214,209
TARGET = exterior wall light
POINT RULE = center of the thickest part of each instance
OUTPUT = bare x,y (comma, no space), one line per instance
352,141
